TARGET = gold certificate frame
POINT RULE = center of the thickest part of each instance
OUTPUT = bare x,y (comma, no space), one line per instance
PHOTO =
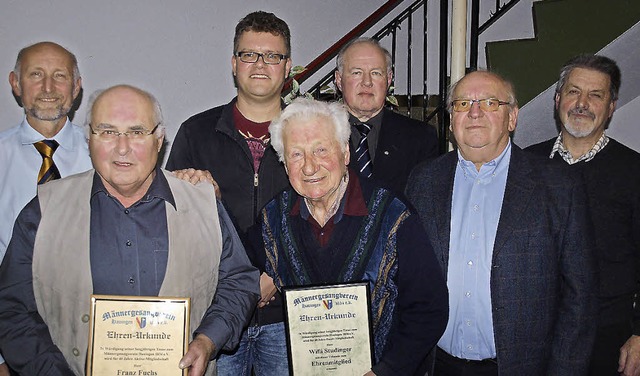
329,329
137,335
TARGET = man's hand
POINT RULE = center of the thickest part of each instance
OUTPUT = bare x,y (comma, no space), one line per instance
629,363
267,290
198,355
4,370
194,177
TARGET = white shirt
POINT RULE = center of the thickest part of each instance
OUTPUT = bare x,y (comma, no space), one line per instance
20,163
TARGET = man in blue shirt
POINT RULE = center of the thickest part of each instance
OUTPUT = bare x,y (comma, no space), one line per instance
131,229
47,81
511,232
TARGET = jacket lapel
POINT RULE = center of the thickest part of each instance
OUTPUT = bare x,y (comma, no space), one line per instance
517,196
442,194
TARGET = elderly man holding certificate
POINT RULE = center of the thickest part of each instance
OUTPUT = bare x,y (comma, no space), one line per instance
334,227
126,228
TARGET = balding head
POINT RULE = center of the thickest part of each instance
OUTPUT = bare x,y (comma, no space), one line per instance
125,140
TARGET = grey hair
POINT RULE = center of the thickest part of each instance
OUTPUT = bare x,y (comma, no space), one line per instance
306,109
598,63
370,41
157,110
511,94
24,51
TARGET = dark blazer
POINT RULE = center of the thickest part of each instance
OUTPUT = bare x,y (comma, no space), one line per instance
402,144
543,279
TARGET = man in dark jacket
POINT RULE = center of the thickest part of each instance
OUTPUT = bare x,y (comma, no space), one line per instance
512,234
232,142
586,96
384,145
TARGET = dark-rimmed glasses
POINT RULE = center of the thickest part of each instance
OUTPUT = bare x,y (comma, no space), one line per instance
268,58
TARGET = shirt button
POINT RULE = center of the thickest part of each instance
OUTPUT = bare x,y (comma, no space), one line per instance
85,318
468,322
473,235
128,243
467,294
469,347
75,352
470,263
131,280
126,211
476,207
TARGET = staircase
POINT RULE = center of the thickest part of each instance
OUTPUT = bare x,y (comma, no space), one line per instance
564,28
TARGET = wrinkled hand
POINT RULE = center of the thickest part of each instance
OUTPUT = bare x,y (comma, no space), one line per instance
267,290
629,363
198,355
194,177
4,370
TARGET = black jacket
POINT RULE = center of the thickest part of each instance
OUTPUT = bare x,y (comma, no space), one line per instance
210,141
402,144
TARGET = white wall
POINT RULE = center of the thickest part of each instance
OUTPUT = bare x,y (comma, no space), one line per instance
178,50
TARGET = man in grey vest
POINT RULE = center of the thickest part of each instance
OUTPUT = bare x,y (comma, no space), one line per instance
125,228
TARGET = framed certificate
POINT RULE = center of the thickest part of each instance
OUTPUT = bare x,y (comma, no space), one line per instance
329,329
137,335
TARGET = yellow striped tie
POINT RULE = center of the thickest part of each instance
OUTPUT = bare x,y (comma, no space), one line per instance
48,170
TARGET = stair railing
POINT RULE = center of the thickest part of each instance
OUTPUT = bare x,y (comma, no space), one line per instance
391,30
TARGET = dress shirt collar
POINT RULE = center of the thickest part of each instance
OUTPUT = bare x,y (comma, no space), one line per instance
352,202
374,122
159,188
558,147
488,170
28,135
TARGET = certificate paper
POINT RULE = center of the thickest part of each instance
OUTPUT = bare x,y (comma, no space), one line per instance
328,329
136,335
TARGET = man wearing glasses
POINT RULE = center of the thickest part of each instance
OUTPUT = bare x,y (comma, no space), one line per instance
125,228
232,142
511,232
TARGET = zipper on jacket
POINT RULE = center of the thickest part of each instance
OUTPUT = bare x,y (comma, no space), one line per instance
255,195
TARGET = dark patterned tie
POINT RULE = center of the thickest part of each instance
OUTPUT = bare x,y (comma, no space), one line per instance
363,159
48,170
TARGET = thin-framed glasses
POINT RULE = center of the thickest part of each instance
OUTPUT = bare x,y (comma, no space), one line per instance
137,135
268,58
487,105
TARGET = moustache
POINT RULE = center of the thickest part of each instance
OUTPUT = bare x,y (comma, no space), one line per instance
582,112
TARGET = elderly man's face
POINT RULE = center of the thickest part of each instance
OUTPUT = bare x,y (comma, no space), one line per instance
46,86
125,165
479,133
584,104
259,81
364,80
313,158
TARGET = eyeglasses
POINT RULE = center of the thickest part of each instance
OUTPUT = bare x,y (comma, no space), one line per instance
267,58
487,105
135,135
